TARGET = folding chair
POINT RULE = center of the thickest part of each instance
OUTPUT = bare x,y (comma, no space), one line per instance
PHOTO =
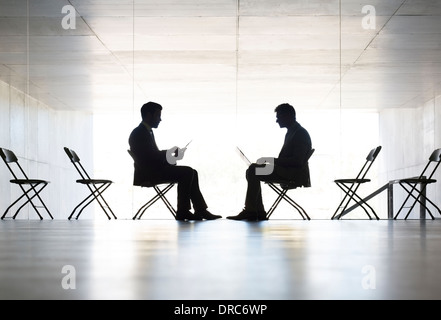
350,187
31,187
160,194
95,186
282,189
410,185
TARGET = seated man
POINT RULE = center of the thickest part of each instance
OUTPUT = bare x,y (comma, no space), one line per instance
159,166
291,165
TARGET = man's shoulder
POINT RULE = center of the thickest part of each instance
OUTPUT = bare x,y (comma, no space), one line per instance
297,129
303,129
301,134
139,128
137,131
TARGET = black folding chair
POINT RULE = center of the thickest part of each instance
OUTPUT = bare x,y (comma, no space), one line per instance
350,187
410,185
283,188
31,187
95,186
160,194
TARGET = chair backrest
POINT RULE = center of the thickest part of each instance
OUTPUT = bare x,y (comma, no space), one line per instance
436,155
132,155
73,157
309,154
145,183
372,155
434,160
9,157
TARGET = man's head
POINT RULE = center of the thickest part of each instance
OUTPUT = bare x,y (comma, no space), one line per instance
151,113
285,114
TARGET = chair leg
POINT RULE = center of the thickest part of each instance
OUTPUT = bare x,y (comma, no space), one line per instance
282,194
153,200
425,207
340,206
29,200
361,202
160,194
410,194
41,201
417,199
274,206
354,197
405,200
96,194
351,193
166,202
92,196
16,201
297,206
105,202
86,202
144,207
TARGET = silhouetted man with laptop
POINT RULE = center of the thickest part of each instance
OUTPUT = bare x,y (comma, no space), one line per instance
290,165
159,166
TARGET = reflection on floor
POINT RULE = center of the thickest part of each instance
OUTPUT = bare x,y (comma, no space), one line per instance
222,259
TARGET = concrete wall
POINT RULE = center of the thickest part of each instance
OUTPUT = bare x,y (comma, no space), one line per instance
37,134
408,137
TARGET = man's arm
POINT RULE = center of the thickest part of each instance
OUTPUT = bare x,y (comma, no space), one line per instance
295,150
142,145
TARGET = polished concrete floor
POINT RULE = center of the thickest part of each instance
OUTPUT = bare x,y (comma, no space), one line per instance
222,259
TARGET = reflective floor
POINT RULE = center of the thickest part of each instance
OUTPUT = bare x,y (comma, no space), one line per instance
222,259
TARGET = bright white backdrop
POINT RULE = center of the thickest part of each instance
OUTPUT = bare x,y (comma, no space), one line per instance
341,139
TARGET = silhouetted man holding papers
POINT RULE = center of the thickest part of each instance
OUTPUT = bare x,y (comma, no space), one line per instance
291,165
159,166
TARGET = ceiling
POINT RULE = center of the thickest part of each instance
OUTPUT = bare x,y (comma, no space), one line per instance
222,54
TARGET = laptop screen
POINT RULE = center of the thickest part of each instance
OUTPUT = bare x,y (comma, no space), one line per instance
243,156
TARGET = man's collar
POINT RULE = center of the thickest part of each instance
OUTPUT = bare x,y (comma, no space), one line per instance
147,126
294,126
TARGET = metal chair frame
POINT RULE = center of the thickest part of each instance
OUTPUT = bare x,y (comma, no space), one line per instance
160,194
95,186
31,188
284,187
410,185
350,187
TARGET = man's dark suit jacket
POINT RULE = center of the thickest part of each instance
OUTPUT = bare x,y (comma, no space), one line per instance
292,162
149,160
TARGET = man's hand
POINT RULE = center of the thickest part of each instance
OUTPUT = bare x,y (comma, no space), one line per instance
265,166
174,154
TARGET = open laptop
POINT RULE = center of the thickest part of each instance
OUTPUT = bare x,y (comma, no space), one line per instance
187,144
243,156
176,151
